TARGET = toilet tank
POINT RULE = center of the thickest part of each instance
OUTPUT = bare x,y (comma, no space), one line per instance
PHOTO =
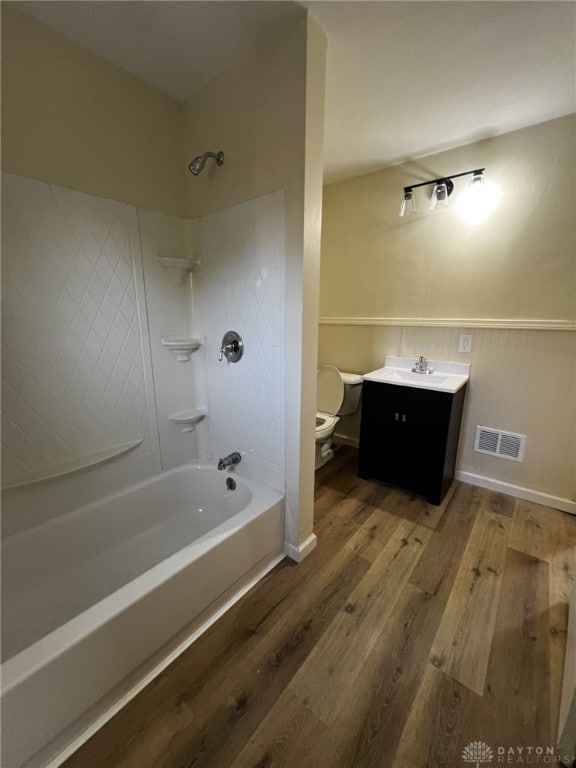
352,392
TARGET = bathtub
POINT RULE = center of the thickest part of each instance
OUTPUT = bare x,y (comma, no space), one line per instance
99,600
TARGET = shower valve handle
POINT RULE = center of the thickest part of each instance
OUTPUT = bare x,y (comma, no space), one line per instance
232,347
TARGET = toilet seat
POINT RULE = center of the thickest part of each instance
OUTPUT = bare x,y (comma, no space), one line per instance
329,397
324,425
329,390
336,393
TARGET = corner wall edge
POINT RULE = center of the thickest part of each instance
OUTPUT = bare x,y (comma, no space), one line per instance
299,552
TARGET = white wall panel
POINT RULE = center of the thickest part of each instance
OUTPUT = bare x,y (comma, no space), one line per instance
240,287
76,374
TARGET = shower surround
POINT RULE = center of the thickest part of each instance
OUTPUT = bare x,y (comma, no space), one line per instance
84,375
86,305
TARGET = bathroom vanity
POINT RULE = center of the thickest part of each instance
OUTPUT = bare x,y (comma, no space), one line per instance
411,425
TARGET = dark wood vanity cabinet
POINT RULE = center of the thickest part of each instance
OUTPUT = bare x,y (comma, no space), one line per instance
409,437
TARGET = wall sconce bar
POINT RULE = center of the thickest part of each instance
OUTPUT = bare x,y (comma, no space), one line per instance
443,188
445,180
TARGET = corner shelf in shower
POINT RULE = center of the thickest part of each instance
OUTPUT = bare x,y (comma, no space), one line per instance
71,467
182,348
188,418
178,268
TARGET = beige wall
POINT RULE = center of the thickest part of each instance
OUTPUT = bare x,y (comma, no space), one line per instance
72,119
267,115
519,263
304,348
411,286
255,113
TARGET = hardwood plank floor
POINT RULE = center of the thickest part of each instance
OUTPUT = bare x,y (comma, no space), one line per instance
462,644
409,632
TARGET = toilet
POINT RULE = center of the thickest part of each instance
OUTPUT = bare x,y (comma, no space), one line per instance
337,394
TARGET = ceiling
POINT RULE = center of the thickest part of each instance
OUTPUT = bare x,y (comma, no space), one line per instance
404,78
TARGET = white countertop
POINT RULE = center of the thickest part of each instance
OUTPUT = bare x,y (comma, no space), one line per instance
446,377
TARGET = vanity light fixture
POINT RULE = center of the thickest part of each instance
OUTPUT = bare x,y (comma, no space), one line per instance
443,188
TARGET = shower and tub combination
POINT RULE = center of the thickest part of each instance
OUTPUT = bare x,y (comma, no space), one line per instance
126,532
117,588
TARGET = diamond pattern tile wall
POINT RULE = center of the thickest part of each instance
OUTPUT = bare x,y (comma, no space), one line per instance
241,287
73,374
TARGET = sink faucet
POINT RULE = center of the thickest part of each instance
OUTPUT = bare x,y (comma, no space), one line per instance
229,461
422,366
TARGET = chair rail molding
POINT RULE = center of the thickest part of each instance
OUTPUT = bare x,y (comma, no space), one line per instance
534,324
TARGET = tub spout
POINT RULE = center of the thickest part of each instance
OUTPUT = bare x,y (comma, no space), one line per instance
229,461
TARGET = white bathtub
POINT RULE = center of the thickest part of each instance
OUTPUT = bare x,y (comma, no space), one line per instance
95,600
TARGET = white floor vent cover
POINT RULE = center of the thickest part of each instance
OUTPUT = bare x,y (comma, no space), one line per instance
506,445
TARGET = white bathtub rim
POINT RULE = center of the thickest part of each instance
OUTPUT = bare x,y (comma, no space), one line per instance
32,658
84,680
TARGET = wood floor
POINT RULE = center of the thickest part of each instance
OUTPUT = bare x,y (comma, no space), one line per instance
408,633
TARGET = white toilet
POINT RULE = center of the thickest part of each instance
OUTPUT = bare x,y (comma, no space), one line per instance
338,394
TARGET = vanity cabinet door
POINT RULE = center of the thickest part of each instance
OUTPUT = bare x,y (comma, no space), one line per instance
409,437
383,440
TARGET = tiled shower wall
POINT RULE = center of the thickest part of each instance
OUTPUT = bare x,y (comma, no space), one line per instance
76,368
240,287
76,376
85,306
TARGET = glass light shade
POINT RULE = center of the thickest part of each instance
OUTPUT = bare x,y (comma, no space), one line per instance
407,206
479,200
439,196
476,181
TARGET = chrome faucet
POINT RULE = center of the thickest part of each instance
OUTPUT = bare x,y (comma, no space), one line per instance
229,461
422,366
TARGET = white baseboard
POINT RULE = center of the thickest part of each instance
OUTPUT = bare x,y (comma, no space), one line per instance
299,552
345,440
565,505
557,502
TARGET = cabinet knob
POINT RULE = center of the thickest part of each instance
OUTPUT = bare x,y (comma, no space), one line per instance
396,416
403,417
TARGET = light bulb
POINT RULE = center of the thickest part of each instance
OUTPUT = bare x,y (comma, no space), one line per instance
479,200
439,196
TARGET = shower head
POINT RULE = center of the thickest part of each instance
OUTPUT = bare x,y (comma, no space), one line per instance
199,162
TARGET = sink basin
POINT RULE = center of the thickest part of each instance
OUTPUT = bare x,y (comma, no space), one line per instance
447,377
419,378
